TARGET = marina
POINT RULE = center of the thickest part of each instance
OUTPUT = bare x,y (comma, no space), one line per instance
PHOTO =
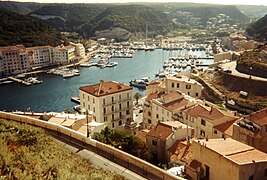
55,92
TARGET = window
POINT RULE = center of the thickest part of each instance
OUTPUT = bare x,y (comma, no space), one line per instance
128,104
157,116
94,109
168,113
196,94
202,133
149,121
120,97
120,106
83,104
222,135
83,96
188,93
215,131
120,114
120,123
88,98
177,85
105,118
93,100
113,117
112,99
113,125
149,113
154,142
88,107
162,111
128,97
203,122
128,112
104,110
112,108
172,84
104,101
188,86
265,172
250,177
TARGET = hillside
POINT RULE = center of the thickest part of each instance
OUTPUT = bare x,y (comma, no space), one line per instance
134,18
18,7
253,12
19,29
258,29
26,152
69,17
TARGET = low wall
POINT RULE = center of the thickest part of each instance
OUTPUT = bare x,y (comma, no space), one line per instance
116,153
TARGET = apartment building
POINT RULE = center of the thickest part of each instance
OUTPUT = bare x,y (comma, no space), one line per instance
206,120
185,85
108,102
252,130
79,49
13,60
64,54
40,56
162,137
220,159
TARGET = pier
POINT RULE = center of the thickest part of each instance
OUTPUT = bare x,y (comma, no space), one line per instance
19,81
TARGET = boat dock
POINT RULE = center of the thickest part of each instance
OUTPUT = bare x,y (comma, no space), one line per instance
19,81
76,99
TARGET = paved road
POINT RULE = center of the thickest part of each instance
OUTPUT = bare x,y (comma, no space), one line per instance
232,66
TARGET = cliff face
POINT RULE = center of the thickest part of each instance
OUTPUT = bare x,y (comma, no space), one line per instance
253,63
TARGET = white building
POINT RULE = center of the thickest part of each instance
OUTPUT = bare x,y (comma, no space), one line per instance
40,56
185,85
13,60
108,102
79,49
64,54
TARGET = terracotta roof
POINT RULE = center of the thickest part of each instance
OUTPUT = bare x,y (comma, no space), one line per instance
259,117
12,48
234,151
161,131
154,96
38,47
216,113
176,104
194,111
142,135
226,127
183,79
105,88
181,152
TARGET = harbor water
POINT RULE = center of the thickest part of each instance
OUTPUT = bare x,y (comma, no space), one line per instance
55,93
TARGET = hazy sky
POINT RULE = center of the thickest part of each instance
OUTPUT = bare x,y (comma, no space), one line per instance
249,2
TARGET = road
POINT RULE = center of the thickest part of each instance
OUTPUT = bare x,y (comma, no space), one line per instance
103,159
232,66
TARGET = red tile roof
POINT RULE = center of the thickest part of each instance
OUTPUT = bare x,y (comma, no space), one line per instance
194,111
105,88
154,96
259,117
141,135
216,113
12,48
226,127
176,104
161,131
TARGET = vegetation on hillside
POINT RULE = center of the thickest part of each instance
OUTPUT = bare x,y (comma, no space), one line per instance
124,141
19,7
26,152
258,29
134,18
19,29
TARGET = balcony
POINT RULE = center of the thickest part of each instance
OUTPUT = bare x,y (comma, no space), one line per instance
115,102
116,110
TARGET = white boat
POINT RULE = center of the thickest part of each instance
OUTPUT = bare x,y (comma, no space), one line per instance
138,83
112,64
68,75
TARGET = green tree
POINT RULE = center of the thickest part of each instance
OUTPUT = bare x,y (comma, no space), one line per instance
137,96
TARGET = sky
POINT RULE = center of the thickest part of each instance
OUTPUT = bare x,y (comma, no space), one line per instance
246,2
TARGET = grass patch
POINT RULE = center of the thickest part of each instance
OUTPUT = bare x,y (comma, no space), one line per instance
26,152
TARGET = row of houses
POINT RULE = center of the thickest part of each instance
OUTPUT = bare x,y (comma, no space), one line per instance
18,59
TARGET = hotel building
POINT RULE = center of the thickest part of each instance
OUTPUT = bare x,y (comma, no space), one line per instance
40,56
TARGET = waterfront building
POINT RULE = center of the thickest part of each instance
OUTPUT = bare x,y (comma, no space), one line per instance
163,136
40,56
108,102
225,158
64,54
209,122
252,130
13,60
185,85
79,49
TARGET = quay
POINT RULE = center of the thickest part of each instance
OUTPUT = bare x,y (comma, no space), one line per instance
19,81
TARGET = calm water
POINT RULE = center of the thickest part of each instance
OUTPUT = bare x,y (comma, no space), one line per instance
54,93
